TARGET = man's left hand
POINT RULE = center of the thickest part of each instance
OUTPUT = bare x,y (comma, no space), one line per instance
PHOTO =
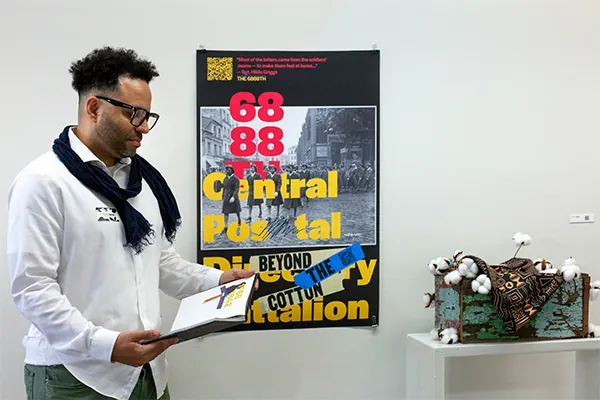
235,274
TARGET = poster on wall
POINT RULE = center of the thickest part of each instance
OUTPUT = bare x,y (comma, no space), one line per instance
288,180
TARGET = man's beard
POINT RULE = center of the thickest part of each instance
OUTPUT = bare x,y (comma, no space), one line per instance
116,141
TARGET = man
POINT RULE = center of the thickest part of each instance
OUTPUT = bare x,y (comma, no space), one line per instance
90,232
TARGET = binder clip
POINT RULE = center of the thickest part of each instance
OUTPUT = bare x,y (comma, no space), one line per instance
374,49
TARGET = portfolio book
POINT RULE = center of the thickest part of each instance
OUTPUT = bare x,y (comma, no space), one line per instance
212,311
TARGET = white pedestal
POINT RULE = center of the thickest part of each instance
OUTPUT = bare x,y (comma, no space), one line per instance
426,362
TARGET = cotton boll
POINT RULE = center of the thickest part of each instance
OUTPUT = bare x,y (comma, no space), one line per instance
542,265
438,266
449,336
548,270
468,269
577,271
518,238
487,284
431,268
570,271
446,339
473,271
593,331
482,284
521,239
484,289
472,274
569,275
463,269
595,290
453,277
441,265
468,261
478,282
434,334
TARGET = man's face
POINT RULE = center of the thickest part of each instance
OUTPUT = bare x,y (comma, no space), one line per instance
119,136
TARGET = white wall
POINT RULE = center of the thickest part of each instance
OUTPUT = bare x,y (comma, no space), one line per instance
489,125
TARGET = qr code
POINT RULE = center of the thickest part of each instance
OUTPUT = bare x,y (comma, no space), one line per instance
347,257
219,68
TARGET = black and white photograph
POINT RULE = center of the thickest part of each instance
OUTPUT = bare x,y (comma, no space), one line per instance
253,203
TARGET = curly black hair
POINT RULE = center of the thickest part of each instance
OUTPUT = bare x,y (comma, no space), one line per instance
101,69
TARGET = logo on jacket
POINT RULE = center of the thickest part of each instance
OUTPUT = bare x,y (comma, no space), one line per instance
107,214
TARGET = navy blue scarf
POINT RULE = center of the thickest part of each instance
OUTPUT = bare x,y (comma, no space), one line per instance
138,230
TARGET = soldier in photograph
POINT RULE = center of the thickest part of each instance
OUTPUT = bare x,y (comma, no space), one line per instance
253,200
277,200
231,200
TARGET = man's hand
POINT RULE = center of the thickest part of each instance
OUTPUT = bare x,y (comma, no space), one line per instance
128,350
235,274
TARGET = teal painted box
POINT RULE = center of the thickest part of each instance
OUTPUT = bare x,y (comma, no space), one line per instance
476,320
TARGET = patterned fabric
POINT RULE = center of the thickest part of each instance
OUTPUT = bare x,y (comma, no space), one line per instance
519,291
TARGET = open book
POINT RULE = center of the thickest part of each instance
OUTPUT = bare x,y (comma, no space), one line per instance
211,311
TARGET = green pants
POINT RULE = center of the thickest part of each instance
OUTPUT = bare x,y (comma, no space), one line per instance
55,382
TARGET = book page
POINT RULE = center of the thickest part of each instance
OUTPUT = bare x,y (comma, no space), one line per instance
225,301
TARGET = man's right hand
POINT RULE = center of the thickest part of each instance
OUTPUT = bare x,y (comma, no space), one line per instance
128,350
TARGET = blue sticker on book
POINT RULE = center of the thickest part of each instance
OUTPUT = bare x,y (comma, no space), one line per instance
329,267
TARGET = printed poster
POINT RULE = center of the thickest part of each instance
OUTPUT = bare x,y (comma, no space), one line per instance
288,176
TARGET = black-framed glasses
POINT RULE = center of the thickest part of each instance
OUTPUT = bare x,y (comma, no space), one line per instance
138,116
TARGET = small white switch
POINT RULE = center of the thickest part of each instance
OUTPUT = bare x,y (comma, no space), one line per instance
581,218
